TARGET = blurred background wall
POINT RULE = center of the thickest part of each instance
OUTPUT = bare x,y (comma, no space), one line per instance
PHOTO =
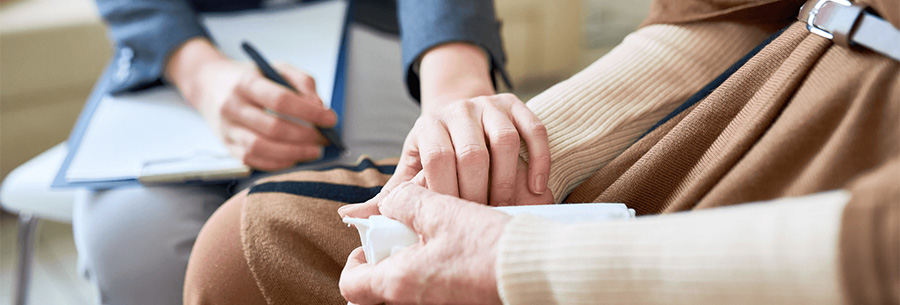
52,51
548,41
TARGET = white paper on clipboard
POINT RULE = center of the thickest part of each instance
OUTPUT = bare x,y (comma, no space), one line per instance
131,132
154,136
280,36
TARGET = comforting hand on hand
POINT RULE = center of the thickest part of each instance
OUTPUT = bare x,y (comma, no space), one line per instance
466,142
452,263
234,98
470,149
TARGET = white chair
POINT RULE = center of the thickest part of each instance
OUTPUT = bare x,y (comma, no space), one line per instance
26,192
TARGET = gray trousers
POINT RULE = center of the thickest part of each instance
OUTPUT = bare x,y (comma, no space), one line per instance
133,243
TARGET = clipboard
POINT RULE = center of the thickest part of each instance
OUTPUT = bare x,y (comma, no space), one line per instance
87,165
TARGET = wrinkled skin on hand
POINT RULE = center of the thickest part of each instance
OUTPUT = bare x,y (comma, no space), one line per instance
454,261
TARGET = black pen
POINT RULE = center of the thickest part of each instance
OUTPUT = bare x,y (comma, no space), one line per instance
273,75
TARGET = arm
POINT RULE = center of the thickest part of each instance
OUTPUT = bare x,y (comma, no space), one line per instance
146,33
837,247
816,249
451,72
426,25
163,38
467,139
596,114
779,252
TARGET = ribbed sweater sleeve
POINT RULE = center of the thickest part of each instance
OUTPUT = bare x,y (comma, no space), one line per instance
780,252
594,115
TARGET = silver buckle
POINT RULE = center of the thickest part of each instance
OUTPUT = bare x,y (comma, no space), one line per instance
811,20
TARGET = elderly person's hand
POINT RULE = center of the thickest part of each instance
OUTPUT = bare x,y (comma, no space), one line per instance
370,207
452,263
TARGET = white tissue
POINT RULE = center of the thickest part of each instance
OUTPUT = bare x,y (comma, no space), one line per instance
382,237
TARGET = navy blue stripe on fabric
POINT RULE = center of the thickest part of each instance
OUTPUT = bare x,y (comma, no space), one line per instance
320,190
706,90
363,165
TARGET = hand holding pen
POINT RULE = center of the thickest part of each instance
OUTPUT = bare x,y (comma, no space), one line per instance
236,100
273,75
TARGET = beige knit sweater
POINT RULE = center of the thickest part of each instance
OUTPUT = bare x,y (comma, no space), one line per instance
781,253
774,253
621,95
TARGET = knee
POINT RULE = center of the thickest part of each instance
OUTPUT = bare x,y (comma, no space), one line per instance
217,271
137,227
135,244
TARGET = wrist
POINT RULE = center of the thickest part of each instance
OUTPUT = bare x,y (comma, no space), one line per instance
188,65
453,71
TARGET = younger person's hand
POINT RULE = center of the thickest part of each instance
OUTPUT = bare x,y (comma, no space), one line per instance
234,98
470,149
466,141
370,207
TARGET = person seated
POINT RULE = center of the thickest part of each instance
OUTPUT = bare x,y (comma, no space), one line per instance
783,145
134,242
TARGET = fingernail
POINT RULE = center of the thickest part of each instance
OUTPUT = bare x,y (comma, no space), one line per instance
540,184
342,209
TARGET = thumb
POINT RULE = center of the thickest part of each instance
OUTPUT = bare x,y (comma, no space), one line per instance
419,179
363,210
423,210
